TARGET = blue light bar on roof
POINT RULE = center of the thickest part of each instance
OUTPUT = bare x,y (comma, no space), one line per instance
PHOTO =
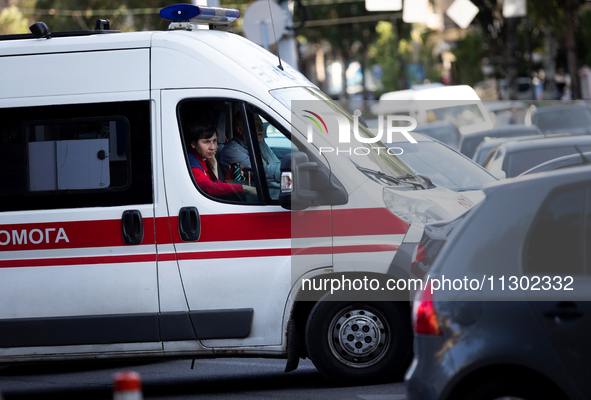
198,14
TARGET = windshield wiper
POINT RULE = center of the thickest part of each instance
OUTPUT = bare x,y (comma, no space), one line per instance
410,176
396,180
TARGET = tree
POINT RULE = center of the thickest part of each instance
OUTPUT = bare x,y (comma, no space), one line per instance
351,40
12,21
124,15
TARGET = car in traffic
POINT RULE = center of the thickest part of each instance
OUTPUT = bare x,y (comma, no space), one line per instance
573,160
513,332
506,112
435,235
469,142
574,119
515,157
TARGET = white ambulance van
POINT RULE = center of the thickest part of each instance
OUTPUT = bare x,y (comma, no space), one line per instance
109,247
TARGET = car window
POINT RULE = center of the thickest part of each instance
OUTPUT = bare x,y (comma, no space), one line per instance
244,163
555,245
563,119
521,161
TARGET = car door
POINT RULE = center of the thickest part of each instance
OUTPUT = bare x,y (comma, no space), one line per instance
557,256
237,269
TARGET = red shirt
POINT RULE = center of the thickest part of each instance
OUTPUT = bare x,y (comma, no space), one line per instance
209,182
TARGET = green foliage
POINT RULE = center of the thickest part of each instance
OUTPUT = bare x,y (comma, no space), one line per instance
12,21
385,53
469,54
124,15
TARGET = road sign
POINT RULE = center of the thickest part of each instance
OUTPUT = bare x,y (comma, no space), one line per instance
462,12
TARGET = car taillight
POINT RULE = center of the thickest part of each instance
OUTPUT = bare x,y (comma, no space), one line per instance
424,317
419,254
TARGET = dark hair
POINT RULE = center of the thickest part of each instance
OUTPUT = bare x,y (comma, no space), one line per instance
201,130
237,120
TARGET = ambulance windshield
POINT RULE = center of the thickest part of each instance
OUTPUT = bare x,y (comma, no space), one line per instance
327,124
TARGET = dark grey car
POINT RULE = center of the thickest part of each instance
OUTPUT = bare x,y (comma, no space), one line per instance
518,332
574,119
515,157
469,142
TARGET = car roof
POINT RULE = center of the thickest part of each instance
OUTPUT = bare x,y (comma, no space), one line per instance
502,130
495,106
557,177
248,62
558,107
552,141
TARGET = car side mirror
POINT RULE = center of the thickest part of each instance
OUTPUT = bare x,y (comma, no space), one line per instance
499,174
304,183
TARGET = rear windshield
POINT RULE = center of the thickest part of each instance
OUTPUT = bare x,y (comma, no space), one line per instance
523,160
563,119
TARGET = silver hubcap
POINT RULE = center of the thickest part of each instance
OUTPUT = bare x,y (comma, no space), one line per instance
358,337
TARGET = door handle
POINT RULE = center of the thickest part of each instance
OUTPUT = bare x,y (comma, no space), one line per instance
189,224
132,227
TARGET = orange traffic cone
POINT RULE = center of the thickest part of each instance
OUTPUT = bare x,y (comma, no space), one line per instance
127,386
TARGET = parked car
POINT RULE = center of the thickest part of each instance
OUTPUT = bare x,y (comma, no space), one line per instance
515,157
469,142
574,119
443,131
536,344
573,160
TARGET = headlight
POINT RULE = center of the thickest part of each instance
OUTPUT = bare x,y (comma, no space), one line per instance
410,207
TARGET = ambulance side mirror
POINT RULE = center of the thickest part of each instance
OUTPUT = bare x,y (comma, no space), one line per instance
305,182
295,181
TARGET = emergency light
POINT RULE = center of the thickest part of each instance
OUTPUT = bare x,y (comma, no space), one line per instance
183,16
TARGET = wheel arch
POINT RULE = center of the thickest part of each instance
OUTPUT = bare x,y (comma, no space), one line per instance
305,302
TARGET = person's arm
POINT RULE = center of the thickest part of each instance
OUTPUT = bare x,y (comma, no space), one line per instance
234,153
214,188
271,163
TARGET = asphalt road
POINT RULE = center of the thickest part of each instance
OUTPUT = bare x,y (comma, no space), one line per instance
233,378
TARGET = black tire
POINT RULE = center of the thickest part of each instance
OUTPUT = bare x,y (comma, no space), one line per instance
514,389
377,339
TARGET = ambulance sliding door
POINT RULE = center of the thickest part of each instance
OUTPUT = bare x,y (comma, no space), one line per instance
77,245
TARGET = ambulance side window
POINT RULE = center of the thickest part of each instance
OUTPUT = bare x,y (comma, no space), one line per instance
272,145
76,155
250,146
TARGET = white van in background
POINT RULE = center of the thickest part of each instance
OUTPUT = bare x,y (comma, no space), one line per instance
459,105
109,248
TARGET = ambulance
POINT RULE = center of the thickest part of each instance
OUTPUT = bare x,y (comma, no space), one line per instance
109,249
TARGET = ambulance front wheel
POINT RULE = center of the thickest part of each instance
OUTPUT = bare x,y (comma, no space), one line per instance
356,343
